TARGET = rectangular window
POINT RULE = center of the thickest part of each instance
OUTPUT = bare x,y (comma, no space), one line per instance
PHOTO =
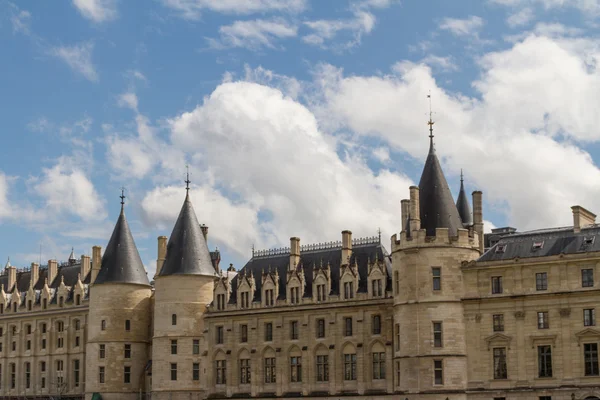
196,371
126,374
498,322
245,299
127,325
196,346
320,328
102,351
543,321
500,371
541,281
296,369
59,370
436,273
397,373
43,366
221,372
59,342
270,372
438,372
13,375
76,372
397,336
322,368
545,361
587,277
348,326
245,371
496,284
376,324
243,333
173,346
43,382
349,367
376,288
220,302
295,295
43,328
294,330
14,346
27,375
43,344
348,290
378,365
589,317
396,282
127,351
173,371
437,334
590,358
76,341
268,332
219,335
545,398
101,374
321,295
269,301
28,345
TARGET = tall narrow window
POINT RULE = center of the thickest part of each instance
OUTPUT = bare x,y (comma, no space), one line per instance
77,299
45,303
320,328
245,371
296,369
268,332
544,361
173,371
498,322
378,365
195,371
348,290
173,346
376,288
590,358
102,351
244,333
127,350
269,300
101,374
77,324
127,325
13,375
496,284
103,325
295,295
587,277
219,335
589,317
174,319
220,301
376,324
27,375
76,372
322,368
396,282
397,336
437,334
270,372
294,330
348,326
321,295
349,367
541,281
196,346
127,374
436,273
245,299
543,321
438,372
500,371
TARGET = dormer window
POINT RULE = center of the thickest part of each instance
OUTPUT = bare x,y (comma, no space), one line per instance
377,288
295,295
245,296
537,245
321,292
221,301
501,248
269,298
348,290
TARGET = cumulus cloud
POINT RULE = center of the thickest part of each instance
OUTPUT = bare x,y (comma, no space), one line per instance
324,31
520,18
587,7
5,207
192,9
462,27
253,34
129,100
78,58
443,64
97,10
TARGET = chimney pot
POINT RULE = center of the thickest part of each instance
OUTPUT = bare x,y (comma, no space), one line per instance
582,218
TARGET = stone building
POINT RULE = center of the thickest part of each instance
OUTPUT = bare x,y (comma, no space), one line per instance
446,313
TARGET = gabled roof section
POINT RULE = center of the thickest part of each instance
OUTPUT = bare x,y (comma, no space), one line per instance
187,251
436,203
462,204
121,262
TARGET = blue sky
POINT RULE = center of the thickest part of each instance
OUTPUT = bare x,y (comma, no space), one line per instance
296,117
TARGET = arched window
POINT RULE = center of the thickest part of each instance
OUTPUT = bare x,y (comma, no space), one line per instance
174,319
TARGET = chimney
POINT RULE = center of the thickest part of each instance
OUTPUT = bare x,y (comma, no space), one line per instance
85,267
294,252
12,277
405,208
415,209
346,247
478,217
52,271
162,253
35,273
96,262
582,218
204,229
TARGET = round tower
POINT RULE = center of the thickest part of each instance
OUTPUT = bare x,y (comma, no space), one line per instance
183,290
429,327
117,349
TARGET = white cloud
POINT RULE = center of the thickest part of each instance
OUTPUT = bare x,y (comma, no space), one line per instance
444,64
462,27
590,8
79,58
5,207
324,31
21,21
382,154
97,10
521,17
253,34
129,100
192,9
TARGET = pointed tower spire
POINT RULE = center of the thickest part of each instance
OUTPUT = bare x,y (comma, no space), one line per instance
187,251
436,204
72,258
462,204
121,262
7,263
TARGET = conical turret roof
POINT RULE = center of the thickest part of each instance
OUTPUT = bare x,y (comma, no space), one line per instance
462,204
436,203
187,251
121,262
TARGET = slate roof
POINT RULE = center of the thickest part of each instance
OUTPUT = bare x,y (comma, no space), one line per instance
69,271
121,262
187,251
544,243
437,206
308,259
462,204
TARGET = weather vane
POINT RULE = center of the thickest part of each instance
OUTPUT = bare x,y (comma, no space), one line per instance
187,180
122,196
430,122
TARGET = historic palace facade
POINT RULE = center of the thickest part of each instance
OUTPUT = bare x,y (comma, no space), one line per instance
445,313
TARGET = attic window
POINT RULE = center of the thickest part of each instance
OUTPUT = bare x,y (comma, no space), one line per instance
537,245
589,239
501,248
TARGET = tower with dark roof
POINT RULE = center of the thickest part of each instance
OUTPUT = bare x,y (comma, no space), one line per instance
119,318
184,286
462,204
428,286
